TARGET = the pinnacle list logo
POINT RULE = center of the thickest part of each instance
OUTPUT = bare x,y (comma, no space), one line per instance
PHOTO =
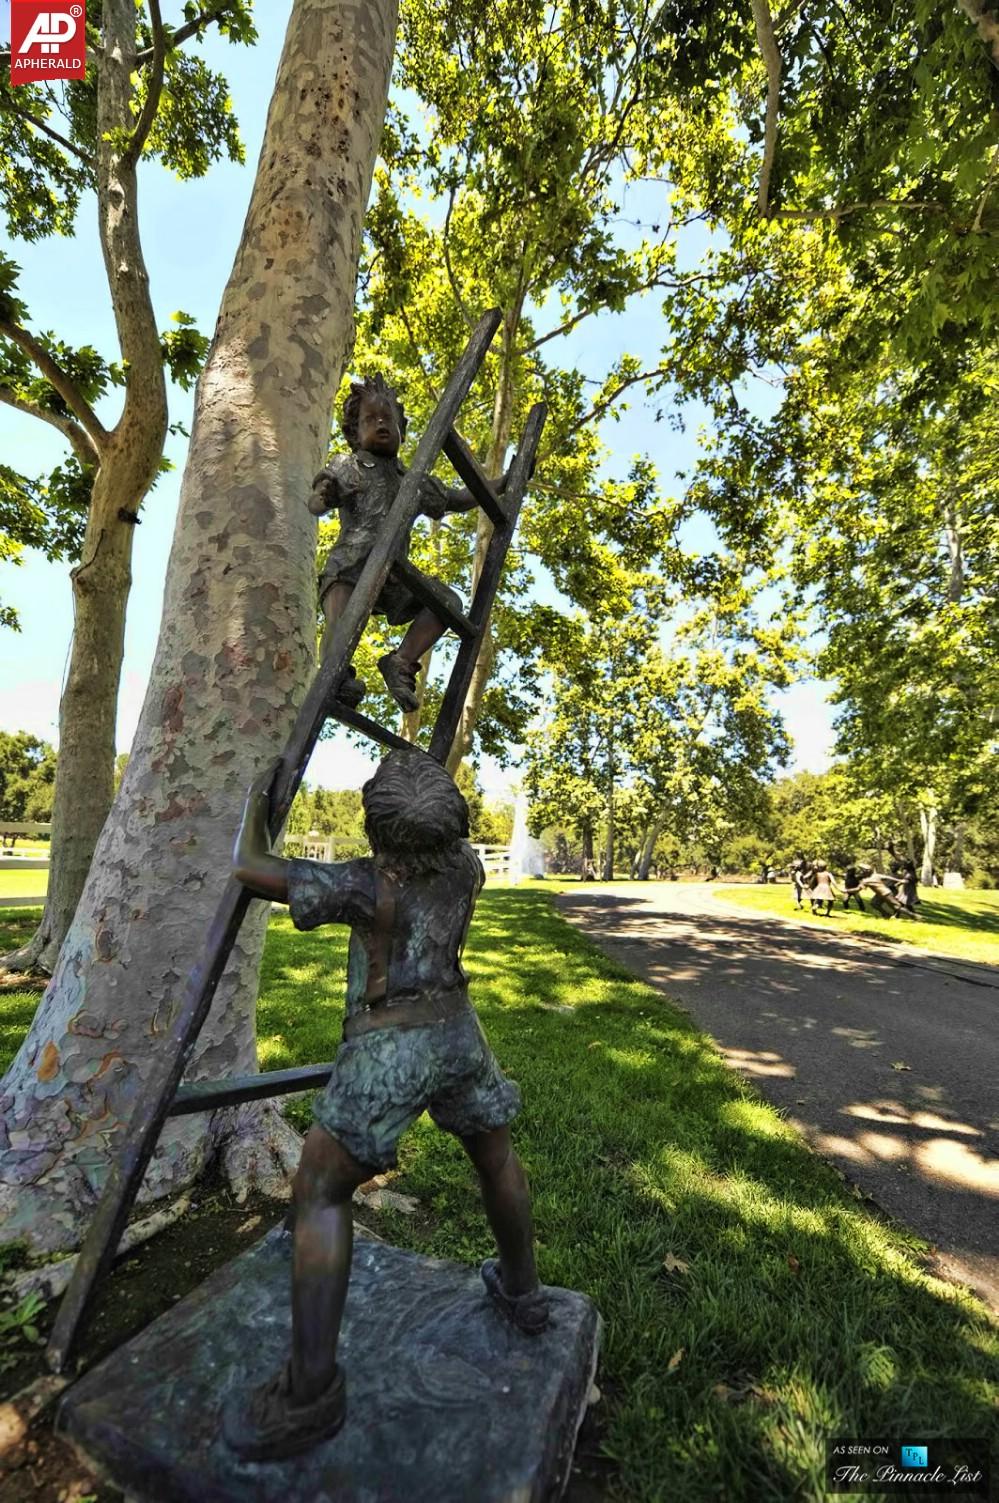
46,43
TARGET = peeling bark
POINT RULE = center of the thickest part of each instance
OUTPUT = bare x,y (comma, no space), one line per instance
235,651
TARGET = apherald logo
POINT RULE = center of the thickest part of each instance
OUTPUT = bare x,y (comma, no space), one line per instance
46,43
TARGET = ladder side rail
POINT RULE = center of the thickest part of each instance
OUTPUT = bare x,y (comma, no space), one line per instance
446,726
149,1113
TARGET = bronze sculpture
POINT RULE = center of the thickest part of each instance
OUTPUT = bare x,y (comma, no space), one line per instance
362,486
411,1041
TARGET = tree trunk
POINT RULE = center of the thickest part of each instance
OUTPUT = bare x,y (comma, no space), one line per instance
609,846
928,823
503,407
235,652
586,854
88,713
129,458
648,850
411,720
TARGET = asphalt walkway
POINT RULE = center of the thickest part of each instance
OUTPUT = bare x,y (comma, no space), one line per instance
821,1024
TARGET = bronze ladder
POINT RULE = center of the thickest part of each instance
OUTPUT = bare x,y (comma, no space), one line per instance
163,1095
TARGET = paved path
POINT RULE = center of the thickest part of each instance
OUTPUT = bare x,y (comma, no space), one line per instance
816,1021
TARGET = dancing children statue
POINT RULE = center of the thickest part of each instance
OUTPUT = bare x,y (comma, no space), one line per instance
362,486
412,1041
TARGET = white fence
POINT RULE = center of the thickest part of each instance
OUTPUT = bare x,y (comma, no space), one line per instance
12,860
495,859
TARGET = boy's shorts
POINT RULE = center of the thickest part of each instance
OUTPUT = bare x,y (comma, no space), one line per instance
384,1079
395,601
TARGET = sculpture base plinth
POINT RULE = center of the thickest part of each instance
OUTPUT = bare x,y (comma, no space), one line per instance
446,1402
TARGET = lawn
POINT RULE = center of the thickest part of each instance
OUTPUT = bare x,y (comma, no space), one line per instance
961,924
753,1306
22,884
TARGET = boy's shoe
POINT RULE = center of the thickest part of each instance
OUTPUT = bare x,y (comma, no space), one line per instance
528,1312
351,690
400,680
267,1424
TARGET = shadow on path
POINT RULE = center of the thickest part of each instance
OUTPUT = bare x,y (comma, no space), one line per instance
888,1068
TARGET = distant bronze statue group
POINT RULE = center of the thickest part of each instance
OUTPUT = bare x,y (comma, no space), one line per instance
892,894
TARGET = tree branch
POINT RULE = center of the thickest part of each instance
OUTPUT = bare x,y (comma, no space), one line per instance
418,356
81,441
599,408
144,123
989,181
57,378
843,211
177,38
772,58
986,24
8,104
447,260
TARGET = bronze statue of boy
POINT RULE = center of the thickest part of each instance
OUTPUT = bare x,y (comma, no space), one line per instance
362,486
412,1041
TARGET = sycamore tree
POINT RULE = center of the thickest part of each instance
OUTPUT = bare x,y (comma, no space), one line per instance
898,542
235,652
578,761
876,125
27,775
505,176
69,145
651,742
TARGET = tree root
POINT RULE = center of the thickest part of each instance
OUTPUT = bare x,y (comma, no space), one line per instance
258,1151
51,1279
29,959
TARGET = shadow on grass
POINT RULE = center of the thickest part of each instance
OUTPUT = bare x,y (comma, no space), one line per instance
985,919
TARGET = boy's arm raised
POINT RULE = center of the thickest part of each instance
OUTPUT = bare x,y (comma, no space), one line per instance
253,861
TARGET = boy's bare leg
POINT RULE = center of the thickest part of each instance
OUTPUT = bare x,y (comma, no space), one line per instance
333,603
401,668
425,631
507,1202
324,1240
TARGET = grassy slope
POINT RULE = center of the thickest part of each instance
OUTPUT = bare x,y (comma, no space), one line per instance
964,924
799,1314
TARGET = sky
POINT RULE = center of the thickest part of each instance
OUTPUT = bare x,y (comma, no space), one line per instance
190,234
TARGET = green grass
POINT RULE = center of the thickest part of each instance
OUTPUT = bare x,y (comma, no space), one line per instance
961,924
799,1313
20,884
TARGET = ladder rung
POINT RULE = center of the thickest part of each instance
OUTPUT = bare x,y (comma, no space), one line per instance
468,467
368,727
435,596
209,1095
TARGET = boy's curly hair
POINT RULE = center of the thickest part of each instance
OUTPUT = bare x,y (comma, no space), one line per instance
415,817
375,386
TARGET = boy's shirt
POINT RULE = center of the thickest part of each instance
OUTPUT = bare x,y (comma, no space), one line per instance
431,919
368,485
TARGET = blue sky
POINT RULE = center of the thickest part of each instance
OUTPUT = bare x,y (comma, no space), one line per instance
190,235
